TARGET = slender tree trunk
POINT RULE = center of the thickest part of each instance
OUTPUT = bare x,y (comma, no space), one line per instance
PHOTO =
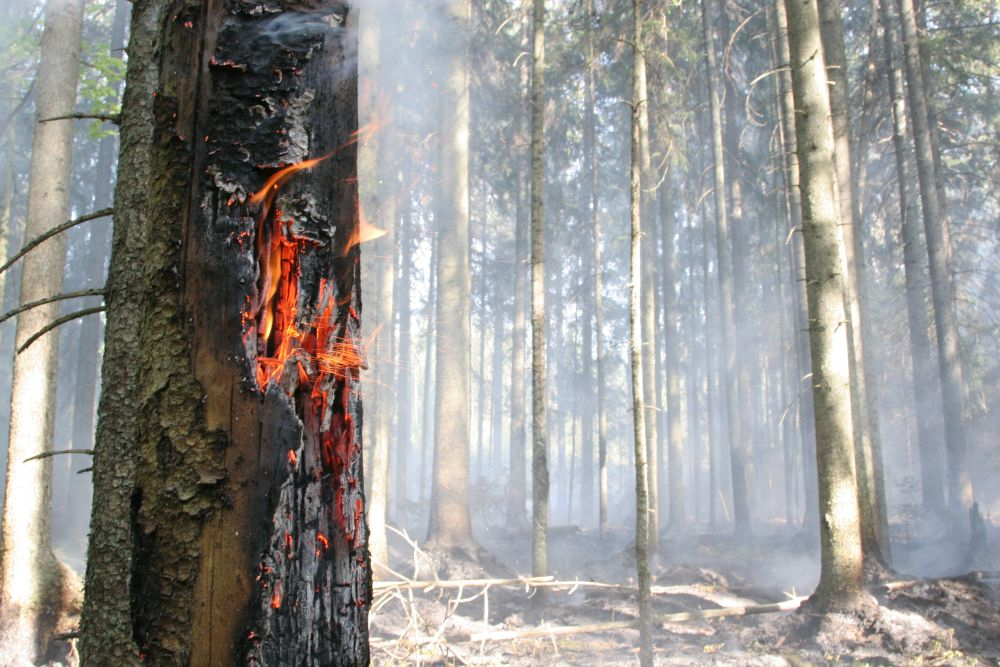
6,209
648,283
30,579
496,375
744,448
936,231
794,206
450,521
590,140
642,500
864,396
840,530
926,381
516,517
430,333
404,373
675,423
539,395
730,395
379,199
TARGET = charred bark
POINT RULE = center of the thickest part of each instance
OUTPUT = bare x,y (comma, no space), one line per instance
246,527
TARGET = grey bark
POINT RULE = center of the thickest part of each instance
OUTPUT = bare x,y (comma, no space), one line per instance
642,500
28,576
450,521
840,582
864,394
539,394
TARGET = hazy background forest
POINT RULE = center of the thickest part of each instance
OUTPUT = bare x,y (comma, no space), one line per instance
403,60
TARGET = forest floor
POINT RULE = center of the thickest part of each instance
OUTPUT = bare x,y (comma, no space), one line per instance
933,612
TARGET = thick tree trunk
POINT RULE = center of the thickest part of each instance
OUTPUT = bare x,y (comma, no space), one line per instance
926,383
237,535
840,530
450,521
864,395
642,500
539,394
942,290
30,579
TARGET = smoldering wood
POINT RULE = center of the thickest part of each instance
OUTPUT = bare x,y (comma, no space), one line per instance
249,539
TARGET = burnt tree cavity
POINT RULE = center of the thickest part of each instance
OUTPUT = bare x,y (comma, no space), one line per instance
249,530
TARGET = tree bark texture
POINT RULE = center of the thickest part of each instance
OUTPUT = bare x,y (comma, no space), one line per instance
29,578
237,531
539,395
840,529
642,500
450,522
864,394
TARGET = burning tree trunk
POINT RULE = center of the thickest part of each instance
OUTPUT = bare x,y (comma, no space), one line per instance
239,519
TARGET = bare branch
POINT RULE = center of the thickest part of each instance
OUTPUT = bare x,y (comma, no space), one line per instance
57,323
31,245
58,297
115,118
46,455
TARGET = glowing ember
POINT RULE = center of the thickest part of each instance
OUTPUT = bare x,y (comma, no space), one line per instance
293,459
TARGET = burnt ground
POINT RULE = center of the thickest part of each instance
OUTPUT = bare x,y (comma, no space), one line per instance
950,619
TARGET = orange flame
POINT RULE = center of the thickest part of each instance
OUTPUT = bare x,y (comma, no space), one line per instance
280,339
